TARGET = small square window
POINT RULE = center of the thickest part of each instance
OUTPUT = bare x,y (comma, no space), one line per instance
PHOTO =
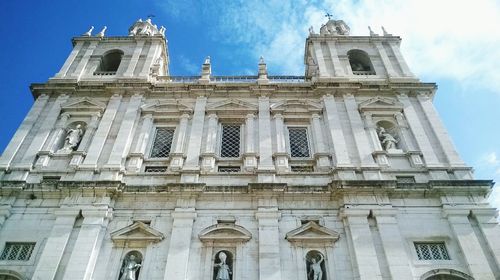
431,251
17,251
230,141
155,169
405,179
162,142
299,145
229,169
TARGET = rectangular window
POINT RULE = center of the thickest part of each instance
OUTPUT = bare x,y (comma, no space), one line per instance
17,251
155,169
162,142
431,251
405,179
299,146
230,142
301,168
229,169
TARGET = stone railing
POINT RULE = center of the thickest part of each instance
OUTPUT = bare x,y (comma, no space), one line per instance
363,73
104,73
231,79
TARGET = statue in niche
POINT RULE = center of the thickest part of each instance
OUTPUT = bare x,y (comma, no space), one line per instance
73,138
386,139
223,271
130,268
315,271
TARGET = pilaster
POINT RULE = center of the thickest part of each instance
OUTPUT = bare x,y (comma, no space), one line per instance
269,239
43,132
192,164
70,60
265,144
321,154
23,130
320,59
335,130
80,68
136,158
385,60
178,154
135,58
489,227
364,258
469,244
250,159
208,157
337,66
56,243
281,155
83,258
124,137
180,243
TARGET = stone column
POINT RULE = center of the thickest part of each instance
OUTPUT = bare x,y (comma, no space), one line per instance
395,253
137,156
5,207
208,157
70,59
87,137
250,156
321,155
192,164
488,224
124,137
440,131
52,144
469,244
56,243
23,130
84,60
320,59
365,257
178,151
401,60
82,261
281,155
95,149
360,136
269,240
419,132
385,60
335,130
339,70
153,49
265,143
180,243
43,132
135,58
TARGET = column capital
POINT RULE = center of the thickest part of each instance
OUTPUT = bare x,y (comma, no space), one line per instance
184,213
213,116
250,116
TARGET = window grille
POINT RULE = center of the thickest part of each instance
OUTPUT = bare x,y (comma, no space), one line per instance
155,169
405,179
431,251
301,168
299,146
17,251
162,142
230,143
229,169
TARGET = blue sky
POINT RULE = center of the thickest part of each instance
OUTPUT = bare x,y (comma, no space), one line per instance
453,43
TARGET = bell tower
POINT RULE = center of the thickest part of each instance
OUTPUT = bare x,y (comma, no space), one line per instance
142,55
334,55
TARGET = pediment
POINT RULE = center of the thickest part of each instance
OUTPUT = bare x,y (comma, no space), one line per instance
296,106
225,233
136,233
84,104
232,105
381,104
312,232
166,107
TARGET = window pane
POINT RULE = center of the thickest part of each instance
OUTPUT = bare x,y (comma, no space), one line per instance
163,142
230,144
431,251
299,146
17,251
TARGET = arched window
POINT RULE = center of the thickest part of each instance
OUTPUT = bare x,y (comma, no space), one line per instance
360,63
110,63
445,274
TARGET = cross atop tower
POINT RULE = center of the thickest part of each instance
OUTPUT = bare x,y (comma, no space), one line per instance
329,16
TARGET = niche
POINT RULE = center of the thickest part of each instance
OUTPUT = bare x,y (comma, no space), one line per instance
131,266
315,262
223,265
360,62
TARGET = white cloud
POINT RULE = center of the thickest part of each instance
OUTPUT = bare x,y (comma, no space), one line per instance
488,166
450,39
188,65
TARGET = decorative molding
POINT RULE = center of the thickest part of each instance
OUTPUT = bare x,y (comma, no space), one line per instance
311,232
161,107
225,232
296,106
137,234
83,105
381,104
232,106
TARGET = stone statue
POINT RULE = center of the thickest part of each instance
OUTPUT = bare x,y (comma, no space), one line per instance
315,269
101,34
311,30
73,138
386,139
223,272
129,268
88,33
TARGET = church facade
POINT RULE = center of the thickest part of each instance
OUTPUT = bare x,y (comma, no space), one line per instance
123,171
